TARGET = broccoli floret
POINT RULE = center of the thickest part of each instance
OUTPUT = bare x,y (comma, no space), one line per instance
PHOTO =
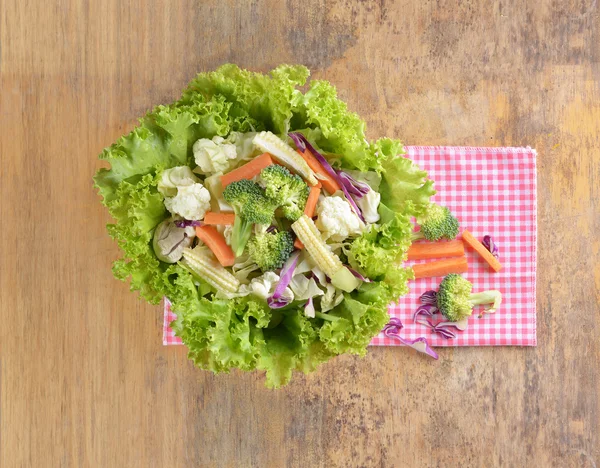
437,223
455,301
270,250
250,205
286,189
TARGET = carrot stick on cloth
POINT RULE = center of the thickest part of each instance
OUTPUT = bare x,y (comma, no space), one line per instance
441,267
426,250
481,250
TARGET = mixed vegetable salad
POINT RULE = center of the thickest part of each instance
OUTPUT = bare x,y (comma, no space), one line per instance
275,228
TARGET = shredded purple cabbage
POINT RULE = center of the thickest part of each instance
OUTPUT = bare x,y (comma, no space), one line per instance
461,325
442,328
445,333
183,223
278,303
302,143
353,203
489,244
271,228
392,330
354,187
358,275
425,309
298,141
395,323
428,305
277,300
429,297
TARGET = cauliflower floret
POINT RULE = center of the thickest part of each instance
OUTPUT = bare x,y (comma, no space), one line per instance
337,220
243,143
170,179
191,202
368,204
264,286
214,155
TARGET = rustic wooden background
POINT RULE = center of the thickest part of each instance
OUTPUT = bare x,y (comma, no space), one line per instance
84,378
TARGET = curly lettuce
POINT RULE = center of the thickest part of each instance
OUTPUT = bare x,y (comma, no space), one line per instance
381,245
404,188
243,332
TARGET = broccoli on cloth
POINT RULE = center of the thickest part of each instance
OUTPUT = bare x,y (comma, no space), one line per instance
251,206
270,250
455,300
286,189
437,223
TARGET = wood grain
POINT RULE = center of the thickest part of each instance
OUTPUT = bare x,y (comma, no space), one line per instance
84,379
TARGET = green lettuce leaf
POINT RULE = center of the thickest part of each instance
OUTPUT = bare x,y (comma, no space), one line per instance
404,188
225,334
137,208
394,285
355,324
343,132
381,245
363,313
219,333
378,254
266,100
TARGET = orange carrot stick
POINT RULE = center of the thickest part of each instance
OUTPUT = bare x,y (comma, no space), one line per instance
441,267
426,250
248,170
225,219
329,183
481,250
311,202
216,242
309,208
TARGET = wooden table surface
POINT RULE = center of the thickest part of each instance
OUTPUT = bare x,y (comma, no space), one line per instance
84,378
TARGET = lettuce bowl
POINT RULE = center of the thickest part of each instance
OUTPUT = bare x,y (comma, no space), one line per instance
244,333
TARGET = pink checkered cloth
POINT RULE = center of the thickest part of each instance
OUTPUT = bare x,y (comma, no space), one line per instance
491,191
